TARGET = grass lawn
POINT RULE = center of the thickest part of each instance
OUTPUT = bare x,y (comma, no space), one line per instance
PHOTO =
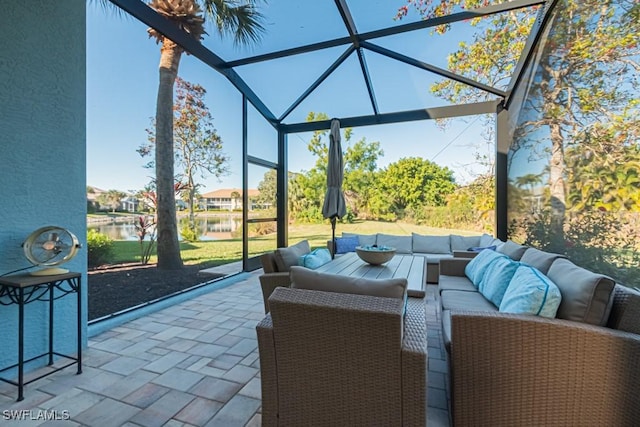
217,252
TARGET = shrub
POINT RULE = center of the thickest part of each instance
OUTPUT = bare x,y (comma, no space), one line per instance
99,248
263,228
189,233
145,227
600,241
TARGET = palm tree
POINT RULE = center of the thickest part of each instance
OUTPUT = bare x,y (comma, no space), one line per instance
233,17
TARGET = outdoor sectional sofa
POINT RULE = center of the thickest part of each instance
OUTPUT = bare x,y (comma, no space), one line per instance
579,367
433,248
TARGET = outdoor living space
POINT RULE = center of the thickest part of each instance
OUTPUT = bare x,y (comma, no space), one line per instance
383,126
194,363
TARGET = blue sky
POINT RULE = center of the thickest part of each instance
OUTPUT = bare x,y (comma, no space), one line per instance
122,78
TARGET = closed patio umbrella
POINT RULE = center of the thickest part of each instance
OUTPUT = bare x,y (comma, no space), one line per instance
334,206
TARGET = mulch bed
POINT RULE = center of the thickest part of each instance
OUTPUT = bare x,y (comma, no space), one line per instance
115,288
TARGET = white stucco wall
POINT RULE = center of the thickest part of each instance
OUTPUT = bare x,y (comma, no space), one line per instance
42,153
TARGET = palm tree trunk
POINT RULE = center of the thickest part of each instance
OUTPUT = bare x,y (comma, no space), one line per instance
168,247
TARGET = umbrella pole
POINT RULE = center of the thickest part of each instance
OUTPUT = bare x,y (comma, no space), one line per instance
333,237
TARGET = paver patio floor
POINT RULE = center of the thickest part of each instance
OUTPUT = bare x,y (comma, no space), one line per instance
194,363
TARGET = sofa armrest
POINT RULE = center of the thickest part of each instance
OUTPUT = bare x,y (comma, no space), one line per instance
414,364
453,266
270,281
330,246
268,373
625,311
527,370
465,254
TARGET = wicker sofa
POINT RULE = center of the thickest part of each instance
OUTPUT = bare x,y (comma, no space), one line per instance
433,248
580,368
333,359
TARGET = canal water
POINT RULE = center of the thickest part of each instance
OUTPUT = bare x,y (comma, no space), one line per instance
209,228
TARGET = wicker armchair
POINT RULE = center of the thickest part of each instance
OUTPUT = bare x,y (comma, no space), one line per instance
272,278
330,359
276,267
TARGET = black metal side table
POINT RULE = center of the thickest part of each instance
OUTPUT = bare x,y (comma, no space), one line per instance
22,289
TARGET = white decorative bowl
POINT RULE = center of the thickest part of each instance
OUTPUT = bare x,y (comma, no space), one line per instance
375,255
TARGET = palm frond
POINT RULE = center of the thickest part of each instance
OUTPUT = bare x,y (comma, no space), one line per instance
237,18
109,8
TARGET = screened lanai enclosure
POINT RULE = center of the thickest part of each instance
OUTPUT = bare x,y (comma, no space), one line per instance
554,82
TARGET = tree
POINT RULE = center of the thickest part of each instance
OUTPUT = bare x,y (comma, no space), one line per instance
528,180
412,183
197,146
150,197
604,173
112,199
267,192
360,164
237,17
267,188
581,80
235,197
586,72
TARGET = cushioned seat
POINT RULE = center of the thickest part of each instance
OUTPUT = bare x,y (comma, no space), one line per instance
456,283
465,301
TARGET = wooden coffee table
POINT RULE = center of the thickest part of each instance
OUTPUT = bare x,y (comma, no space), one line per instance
413,268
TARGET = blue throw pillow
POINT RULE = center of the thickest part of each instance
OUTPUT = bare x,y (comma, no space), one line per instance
531,292
315,258
496,278
346,244
475,269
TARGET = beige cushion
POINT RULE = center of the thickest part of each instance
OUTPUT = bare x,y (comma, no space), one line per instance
288,257
512,250
539,259
303,278
430,244
433,258
402,244
268,261
455,283
465,301
486,240
462,243
586,296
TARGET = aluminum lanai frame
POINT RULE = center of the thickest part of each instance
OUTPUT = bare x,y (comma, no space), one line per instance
359,42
